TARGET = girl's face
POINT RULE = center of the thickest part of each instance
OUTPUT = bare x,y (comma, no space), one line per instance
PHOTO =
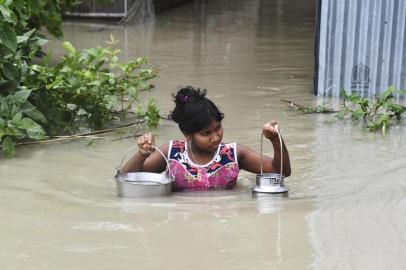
208,139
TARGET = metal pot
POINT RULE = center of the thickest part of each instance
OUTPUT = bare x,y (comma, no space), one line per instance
270,182
144,184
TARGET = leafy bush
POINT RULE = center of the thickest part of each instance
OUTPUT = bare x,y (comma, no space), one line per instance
16,120
87,86
91,86
377,114
20,42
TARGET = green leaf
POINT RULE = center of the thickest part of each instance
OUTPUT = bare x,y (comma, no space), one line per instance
21,39
2,128
8,147
10,71
4,108
34,131
68,46
133,92
358,113
5,11
15,110
90,143
31,111
388,94
29,33
17,118
21,96
8,14
8,37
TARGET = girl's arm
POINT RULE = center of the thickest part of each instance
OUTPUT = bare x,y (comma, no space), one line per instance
146,159
250,160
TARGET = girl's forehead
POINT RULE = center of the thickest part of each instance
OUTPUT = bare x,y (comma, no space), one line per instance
213,124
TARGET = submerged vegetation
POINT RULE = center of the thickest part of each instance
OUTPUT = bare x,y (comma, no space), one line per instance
90,87
375,114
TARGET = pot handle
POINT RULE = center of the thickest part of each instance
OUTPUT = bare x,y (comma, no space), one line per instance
119,167
281,145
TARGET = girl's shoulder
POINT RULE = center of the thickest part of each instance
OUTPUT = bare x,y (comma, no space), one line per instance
177,143
176,146
226,146
229,144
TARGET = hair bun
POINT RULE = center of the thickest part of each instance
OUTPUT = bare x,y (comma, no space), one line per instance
189,95
184,99
193,111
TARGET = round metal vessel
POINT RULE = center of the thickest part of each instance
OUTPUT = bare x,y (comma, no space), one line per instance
143,184
269,183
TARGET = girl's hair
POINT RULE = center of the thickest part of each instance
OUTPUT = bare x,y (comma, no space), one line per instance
193,111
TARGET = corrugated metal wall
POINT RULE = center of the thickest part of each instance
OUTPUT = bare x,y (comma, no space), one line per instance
361,46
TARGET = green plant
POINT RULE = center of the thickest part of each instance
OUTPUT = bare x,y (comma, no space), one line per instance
89,85
20,42
19,119
377,114
20,39
150,114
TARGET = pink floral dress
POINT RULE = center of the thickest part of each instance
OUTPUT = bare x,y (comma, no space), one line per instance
220,173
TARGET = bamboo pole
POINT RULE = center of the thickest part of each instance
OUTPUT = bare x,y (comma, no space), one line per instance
83,135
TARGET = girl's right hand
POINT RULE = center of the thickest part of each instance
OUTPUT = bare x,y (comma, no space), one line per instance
146,144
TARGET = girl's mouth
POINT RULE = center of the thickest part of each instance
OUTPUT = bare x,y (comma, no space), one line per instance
213,147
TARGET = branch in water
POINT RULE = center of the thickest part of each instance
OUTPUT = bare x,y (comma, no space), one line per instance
306,110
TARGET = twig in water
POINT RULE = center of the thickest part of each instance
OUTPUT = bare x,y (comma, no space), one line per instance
83,135
306,110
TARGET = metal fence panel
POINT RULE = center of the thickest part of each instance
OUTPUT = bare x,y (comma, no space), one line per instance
361,46
93,8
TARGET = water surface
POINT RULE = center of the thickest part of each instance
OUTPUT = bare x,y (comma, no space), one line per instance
345,208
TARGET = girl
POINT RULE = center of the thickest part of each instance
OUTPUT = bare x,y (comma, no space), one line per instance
202,161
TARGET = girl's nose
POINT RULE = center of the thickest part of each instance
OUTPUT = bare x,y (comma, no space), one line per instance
214,138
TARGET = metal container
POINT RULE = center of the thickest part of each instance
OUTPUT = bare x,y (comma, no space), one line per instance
144,184
270,182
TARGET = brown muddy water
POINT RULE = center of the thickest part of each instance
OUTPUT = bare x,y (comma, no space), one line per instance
346,203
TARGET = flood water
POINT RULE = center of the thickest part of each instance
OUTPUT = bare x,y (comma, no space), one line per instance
346,203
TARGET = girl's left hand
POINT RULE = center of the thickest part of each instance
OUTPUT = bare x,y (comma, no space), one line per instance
270,130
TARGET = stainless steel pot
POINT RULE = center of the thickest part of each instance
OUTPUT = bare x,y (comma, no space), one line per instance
270,182
144,184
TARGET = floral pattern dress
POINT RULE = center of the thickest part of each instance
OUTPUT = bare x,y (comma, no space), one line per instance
220,173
